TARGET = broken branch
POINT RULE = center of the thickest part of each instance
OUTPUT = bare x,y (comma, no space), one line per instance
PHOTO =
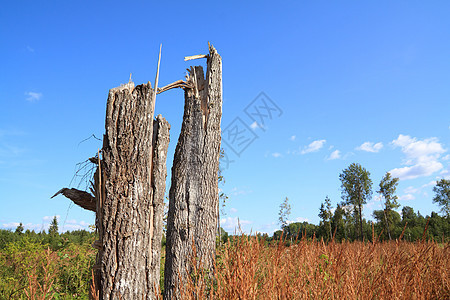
80,198
192,57
177,84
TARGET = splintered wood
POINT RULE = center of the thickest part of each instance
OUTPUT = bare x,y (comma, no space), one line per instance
193,196
129,187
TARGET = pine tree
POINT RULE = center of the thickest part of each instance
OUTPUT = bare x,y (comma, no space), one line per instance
53,229
19,229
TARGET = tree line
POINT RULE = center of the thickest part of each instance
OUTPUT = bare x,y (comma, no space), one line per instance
346,220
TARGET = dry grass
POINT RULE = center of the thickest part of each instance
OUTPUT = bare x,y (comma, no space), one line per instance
248,269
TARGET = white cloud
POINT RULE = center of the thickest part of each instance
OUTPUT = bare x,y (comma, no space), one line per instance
314,146
256,125
298,220
301,219
83,223
406,197
233,210
30,49
32,96
419,170
292,138
276,155
233,224
445,174
431,183
447,157
46,220
375,203
411,190
50,218
336,154
422,157
237,192
370,147
10,225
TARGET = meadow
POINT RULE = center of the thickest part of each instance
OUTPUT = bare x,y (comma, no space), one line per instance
249,267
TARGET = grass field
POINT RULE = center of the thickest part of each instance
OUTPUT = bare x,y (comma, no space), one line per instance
252,268
249,269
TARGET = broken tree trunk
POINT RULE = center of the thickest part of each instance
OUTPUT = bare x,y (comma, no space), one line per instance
129,188
193,196
130,206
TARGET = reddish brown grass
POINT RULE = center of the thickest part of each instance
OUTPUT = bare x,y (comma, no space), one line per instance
248,269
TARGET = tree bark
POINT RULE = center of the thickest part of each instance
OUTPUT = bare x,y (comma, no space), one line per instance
130,202
193,196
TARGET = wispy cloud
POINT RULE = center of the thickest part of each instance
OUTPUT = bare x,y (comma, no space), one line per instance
313,147
233,210
422,157
300,220
33,96
234,224
445,174
30,49
238,192
269,228
292,138
46,220
277,154
10,132
411,190
336,154
7,150
406,197
370,147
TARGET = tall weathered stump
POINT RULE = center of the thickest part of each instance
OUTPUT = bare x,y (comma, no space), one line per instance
193,197
130,207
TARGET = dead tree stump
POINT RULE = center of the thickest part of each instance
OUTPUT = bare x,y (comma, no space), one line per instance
193,196
129,187
130,212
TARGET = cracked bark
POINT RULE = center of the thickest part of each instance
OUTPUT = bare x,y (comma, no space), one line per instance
129,187
130,215
193,196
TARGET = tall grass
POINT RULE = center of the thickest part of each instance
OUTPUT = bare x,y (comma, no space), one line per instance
249,269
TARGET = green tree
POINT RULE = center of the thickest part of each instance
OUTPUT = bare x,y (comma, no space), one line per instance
394,223
337,222
53,229
356,189
19,229
325,214
442,196
388,186
283,214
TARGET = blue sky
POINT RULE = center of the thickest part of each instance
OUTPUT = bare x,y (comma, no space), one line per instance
348,82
